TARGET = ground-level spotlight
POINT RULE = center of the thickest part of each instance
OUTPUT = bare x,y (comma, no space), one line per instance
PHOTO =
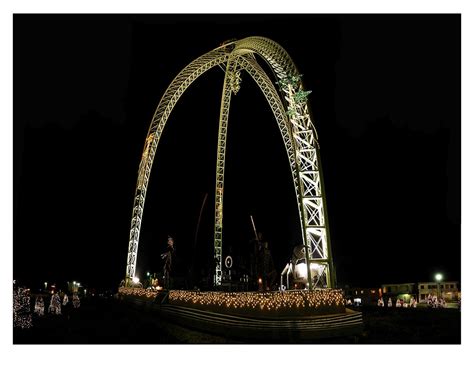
136,280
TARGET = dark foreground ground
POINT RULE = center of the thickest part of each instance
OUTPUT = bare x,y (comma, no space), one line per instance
108,321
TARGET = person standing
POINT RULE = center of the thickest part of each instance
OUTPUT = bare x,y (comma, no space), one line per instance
168,257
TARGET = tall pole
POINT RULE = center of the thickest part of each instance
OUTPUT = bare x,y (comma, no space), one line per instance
199,221
254,229
438,278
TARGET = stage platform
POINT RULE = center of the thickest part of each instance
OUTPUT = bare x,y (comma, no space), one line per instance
296,316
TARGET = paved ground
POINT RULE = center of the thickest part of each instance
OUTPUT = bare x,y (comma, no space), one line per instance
107,321
411,326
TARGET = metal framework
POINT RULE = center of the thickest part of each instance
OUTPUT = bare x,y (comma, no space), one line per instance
288,102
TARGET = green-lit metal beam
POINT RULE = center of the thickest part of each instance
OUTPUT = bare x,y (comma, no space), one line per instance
290,108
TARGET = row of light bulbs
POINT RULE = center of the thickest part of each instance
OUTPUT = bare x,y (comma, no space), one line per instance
242,300
140,292
265,301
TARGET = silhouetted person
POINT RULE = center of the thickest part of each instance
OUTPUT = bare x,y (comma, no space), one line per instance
167,256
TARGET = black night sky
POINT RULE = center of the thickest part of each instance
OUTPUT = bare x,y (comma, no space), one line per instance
385,102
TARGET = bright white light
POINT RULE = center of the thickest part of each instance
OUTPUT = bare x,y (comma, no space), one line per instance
315,267
74,282
301,270
78,284
136,280
438,277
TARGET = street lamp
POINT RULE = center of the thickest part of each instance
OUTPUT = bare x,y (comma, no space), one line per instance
438,278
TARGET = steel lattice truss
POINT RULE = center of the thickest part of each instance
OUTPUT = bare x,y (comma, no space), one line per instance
287,100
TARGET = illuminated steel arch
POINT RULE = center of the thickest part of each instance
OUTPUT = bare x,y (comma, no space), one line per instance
288,102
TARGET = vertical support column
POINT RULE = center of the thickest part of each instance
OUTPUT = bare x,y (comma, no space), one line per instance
330,271
169,99
220,166
138,206
313,198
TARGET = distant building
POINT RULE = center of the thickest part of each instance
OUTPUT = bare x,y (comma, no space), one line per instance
449,290
367,296
399,291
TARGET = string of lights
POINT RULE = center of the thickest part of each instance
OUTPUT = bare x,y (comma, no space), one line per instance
138,292
257,300
22,317
76,302
242,301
